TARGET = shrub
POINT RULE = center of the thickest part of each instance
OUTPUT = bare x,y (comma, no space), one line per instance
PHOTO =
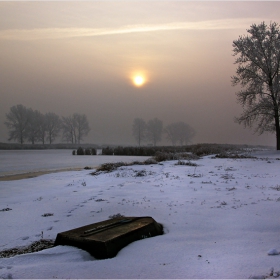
93,152
87,152
233,155
80,151
87,167
109,167
163,156
150,161
136,162
211,149
203,149
188,163
74,152
119,151
107,151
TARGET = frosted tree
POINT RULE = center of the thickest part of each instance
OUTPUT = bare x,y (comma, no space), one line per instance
154,130
17,121
139,129
179,132
258,59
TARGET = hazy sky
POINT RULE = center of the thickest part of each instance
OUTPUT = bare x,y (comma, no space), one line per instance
67,57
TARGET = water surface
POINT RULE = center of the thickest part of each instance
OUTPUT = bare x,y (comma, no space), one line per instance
25,161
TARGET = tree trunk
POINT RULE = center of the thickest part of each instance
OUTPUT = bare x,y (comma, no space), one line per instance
277,130
276,115
278,137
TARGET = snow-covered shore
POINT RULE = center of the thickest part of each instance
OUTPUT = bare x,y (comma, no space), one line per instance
220,219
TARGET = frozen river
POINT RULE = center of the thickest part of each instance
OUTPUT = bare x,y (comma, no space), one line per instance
24,161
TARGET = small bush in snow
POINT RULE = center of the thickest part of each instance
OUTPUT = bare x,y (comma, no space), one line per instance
109,167
188,163
164,156
150,161
232,155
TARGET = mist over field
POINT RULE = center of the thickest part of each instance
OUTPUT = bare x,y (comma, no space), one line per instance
83,57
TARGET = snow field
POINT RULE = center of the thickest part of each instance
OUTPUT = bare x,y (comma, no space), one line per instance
220,218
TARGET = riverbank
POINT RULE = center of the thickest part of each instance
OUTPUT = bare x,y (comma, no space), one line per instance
34,174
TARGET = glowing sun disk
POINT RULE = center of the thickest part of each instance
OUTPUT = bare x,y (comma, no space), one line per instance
138,80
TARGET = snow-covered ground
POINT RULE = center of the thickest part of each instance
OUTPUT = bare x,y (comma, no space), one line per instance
220,218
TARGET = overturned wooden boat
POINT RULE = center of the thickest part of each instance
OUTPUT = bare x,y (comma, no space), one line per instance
105,239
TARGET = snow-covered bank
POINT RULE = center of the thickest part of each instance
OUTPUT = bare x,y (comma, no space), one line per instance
220,219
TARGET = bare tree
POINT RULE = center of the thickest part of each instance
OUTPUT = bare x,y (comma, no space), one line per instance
17,121
41,128
179,132
171,133
81,126
33,125
52,126
68,129
139,129
74,128
154,130
259,76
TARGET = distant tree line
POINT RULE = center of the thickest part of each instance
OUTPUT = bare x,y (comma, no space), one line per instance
161,153
28,125
178,133
130,151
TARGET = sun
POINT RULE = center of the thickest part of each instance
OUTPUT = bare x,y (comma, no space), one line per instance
138,80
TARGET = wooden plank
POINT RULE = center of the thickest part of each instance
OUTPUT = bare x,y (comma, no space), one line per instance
105,239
